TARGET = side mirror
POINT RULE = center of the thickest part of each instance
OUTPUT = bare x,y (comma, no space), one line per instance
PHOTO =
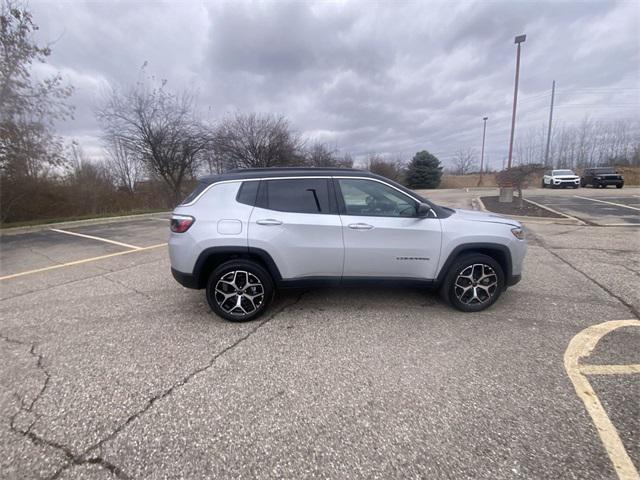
424,210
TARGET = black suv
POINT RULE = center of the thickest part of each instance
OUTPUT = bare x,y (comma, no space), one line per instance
601,177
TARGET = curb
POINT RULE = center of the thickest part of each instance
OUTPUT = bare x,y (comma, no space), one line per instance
568,220
78,223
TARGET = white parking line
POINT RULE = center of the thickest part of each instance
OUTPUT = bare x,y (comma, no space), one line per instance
126,245
610,203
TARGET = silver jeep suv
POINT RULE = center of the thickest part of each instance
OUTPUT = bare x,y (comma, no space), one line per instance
245,233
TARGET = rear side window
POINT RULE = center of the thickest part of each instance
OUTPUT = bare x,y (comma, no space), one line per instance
305,195
247,193
200,187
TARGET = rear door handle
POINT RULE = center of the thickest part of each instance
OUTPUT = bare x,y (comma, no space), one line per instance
360,226
269,221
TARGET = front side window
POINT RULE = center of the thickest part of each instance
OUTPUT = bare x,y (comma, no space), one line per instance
370,198
305,195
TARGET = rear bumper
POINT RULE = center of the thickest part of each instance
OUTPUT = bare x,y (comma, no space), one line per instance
185,279
513,279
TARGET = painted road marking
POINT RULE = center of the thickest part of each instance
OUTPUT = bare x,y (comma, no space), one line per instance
579,347
79,262
610,203
126,245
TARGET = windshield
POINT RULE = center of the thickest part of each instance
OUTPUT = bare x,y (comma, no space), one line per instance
563,172
604,170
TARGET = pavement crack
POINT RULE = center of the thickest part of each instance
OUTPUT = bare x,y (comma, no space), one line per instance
70,282
128,287
186,379
55,262
631,308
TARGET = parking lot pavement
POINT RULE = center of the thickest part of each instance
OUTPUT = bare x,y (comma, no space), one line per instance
109,368
604,207
50,247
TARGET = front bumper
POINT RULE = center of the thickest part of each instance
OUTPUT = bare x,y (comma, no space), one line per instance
566,183
608,181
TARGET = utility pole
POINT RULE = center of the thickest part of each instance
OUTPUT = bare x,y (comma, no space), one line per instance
546,152
518,40
484,131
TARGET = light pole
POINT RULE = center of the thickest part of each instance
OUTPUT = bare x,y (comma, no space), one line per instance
484,132
546,152
518,40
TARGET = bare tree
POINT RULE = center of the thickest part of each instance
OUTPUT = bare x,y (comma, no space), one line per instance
464,161
391,169
125,166
517,177
161,128
319,155
253,140
29,107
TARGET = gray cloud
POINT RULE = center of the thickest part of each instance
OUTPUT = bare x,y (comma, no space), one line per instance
366,76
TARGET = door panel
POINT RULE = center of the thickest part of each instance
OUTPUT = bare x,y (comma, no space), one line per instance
391,247
383,237
305,241
301,244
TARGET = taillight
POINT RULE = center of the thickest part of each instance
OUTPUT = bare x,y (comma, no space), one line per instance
181,223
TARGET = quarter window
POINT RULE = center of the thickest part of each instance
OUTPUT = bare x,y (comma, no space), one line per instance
369,198
247,193
307,195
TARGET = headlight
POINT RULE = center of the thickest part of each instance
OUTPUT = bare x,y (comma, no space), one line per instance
518,233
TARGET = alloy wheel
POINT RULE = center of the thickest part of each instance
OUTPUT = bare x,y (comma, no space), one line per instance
476,284
239,293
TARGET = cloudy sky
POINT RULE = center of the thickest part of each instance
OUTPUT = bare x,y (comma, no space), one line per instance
365,76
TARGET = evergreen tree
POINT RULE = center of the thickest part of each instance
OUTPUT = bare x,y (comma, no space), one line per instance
424,171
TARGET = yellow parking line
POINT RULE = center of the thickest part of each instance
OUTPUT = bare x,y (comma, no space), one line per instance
79,262
610,203
91,237
581,346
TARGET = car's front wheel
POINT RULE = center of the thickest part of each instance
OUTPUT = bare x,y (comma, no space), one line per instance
473,283
239,290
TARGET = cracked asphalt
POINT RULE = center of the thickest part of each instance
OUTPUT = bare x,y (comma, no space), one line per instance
110,369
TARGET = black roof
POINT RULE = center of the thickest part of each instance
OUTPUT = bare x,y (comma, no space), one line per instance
246,173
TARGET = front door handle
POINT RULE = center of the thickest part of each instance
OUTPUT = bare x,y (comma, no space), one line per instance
360,226
269,221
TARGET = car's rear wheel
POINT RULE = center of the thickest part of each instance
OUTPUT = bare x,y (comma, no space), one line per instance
239,290
619,185
473,283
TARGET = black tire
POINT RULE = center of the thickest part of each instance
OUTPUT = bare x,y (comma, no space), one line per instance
544,185
252,302
451,294
619,185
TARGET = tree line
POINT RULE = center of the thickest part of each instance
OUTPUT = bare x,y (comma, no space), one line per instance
591,143
157,141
